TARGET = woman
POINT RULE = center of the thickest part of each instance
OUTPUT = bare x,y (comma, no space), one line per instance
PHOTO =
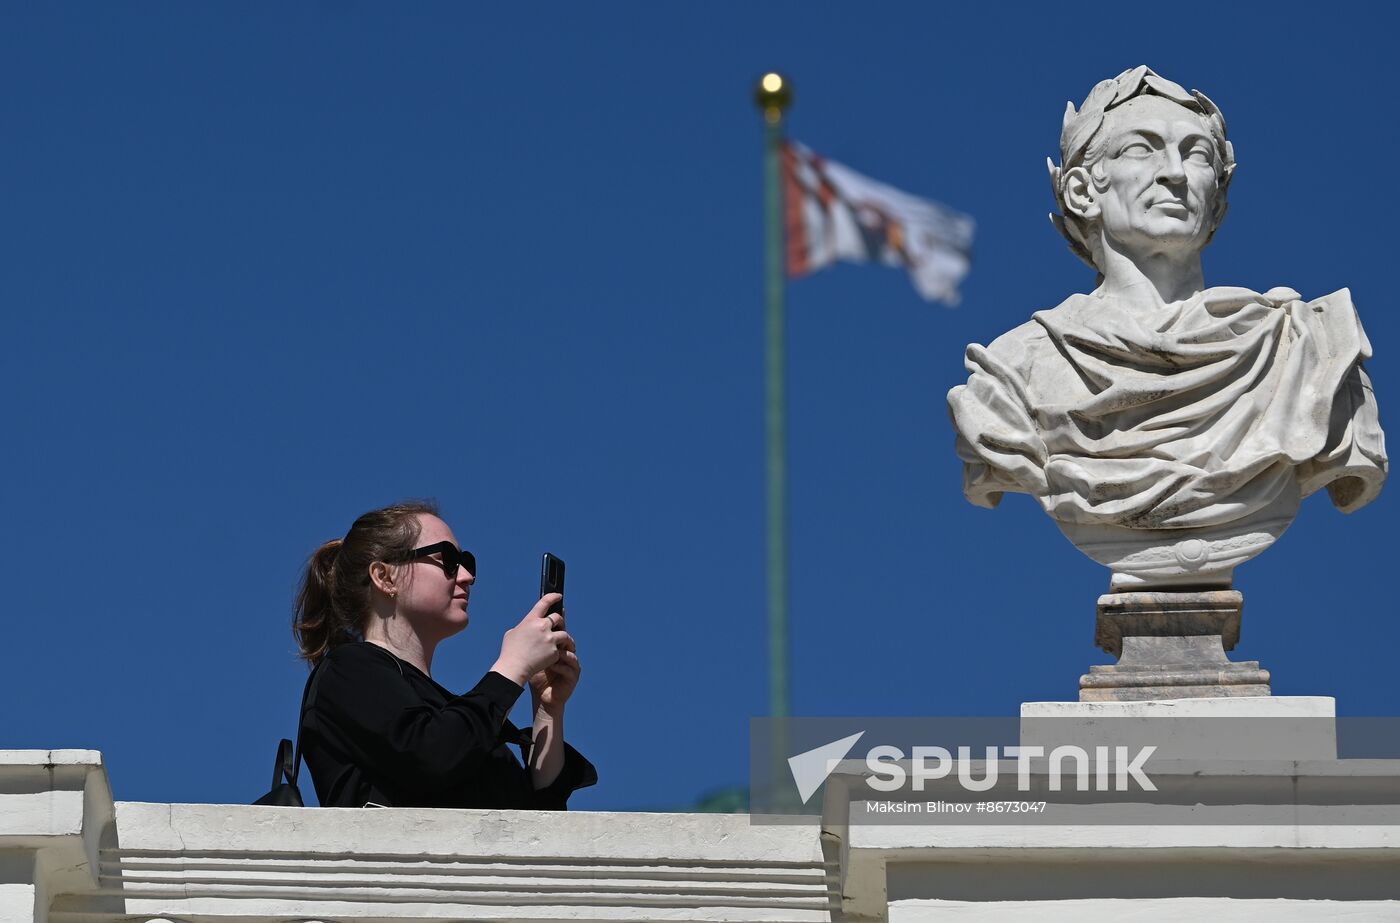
377,729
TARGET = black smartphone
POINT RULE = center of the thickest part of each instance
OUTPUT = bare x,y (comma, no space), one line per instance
552,577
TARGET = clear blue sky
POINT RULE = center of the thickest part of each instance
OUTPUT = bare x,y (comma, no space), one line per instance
267,266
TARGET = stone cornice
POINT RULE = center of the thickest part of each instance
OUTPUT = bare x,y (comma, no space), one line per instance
68,854
293,863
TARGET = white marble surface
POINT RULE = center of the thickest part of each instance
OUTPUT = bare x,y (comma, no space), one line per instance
103,862
1161,910
1212,729
1262,706
1169,428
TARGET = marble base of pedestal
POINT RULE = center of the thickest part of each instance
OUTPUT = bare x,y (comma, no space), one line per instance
1171,645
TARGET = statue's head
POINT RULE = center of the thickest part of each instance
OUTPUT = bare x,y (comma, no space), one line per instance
1142,162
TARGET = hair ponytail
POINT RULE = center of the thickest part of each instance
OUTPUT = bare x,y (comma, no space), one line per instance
315,623
333,604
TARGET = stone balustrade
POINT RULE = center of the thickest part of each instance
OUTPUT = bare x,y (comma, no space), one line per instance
70,854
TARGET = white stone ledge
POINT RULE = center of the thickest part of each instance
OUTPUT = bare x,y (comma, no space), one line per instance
18,759
1263,706
1170,910
528,835
159,865
237,880
200,910
45,794
1118,837
32,818
224,861
71,849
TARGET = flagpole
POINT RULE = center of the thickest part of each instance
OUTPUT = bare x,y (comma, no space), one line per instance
773,95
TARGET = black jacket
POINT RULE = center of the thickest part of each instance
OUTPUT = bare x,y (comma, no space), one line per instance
377,729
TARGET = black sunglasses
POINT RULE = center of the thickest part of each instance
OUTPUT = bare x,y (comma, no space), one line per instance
452,558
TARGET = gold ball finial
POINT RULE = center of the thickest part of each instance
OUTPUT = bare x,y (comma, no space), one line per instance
773,94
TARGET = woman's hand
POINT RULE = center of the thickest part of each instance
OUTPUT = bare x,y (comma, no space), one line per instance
534,645
551,688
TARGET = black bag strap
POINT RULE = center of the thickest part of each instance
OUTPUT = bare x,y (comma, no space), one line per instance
282,766
388,654
289,763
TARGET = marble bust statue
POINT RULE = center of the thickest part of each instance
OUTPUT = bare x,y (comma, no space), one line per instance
1169,429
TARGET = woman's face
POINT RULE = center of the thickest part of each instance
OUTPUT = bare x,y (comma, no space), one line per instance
433,603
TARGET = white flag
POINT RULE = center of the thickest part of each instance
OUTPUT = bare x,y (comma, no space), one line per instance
835,213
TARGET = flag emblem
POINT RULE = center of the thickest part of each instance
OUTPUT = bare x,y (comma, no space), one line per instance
834,213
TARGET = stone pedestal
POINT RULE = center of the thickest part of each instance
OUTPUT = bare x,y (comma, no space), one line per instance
1229,728
1171,646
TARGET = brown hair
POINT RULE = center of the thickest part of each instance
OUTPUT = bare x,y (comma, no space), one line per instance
332,606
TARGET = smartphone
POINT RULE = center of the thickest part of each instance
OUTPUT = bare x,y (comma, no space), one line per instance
552,577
